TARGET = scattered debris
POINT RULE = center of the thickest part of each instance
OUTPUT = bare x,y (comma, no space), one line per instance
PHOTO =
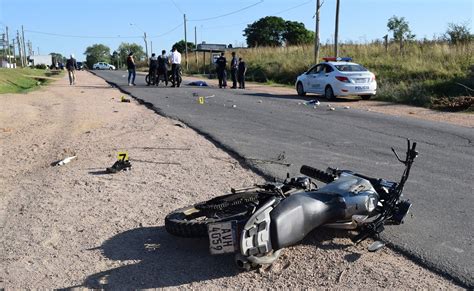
120,165
347,107
260,101
234,106
312,102
123,99
332,108
198,83
180,125
261,161
329,105
82,91
64,161
210,96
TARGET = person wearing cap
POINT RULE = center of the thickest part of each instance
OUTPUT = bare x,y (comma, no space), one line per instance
71,66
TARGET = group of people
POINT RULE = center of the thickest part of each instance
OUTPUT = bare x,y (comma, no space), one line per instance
238,68
158,67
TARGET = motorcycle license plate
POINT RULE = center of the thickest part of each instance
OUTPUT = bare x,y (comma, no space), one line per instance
222,237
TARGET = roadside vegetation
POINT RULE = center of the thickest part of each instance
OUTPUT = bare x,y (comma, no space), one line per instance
428,74
24,80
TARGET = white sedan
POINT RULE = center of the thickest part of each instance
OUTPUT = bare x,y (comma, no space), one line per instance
103,66
337,77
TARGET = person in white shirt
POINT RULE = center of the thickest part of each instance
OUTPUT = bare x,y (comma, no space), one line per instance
175,60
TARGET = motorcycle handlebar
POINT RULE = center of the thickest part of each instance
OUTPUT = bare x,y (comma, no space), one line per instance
317,174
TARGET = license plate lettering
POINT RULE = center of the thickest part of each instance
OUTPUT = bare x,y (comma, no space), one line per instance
362,87
222,237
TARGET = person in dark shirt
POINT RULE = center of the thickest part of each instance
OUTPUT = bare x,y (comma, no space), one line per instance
162,68
71,67
221,63
131,69
233,70
152,70
242,69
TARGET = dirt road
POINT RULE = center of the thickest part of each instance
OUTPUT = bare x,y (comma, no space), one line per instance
74,225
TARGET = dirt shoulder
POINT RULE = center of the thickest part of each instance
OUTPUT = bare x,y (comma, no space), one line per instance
463,119
74,225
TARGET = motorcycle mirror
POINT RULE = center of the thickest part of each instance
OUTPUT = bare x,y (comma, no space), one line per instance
396,155
375,246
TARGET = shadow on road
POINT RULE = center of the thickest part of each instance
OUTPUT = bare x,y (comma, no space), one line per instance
163,261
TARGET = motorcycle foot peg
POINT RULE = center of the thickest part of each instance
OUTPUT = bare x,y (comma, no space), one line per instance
243,263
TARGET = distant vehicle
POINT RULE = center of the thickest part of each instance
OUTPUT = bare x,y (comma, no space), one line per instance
80,66
103,66
337,77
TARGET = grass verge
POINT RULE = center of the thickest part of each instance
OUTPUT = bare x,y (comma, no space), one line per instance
24,80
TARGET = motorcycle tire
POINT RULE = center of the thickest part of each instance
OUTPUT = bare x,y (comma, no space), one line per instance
192,221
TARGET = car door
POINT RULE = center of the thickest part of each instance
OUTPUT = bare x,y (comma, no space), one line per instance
311,75
322,78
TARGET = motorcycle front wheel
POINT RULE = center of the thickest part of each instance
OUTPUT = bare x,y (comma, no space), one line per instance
192,221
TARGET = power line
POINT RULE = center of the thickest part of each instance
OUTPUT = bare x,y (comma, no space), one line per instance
227,14
246,22
177,7
79,36
169,31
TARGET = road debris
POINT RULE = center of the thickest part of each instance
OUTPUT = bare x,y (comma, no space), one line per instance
312,102
262,161
180,125
347,107
123,99
260,101
234,106
332,108
64,161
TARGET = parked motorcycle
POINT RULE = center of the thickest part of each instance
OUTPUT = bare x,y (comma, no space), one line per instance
257,223
170,78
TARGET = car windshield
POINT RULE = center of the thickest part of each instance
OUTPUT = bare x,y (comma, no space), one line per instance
350,68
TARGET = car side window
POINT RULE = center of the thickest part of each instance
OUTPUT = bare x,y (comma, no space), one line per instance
312,70
328,69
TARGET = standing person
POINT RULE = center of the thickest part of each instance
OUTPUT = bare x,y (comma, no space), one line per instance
71,66
221,63
233,70
131,70
176,67
152,70
242,69
162,67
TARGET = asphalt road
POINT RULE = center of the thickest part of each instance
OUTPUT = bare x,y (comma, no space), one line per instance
261,127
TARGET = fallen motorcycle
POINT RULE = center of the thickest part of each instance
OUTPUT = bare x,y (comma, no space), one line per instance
257,223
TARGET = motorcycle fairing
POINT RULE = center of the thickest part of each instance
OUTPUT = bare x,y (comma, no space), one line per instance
297,215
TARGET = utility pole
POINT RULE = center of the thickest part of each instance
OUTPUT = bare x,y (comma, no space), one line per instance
316,34
195,46
14,54
385,42
146,45
185,44
23,41
151,46
8,46
336,52
18,42
3,44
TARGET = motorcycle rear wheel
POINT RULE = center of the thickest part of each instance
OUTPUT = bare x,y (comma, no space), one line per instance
192,221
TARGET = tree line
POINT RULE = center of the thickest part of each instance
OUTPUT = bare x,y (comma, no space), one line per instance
275,32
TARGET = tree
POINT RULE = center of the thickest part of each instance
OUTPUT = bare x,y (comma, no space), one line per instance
125,48
275,31
296,33
458,33
97,53
57,58
180,46
400,28
267,31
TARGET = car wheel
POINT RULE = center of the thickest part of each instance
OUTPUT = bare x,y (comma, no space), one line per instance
365,97
329,93
300,89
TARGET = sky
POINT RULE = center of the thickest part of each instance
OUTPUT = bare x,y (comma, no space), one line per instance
70,26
